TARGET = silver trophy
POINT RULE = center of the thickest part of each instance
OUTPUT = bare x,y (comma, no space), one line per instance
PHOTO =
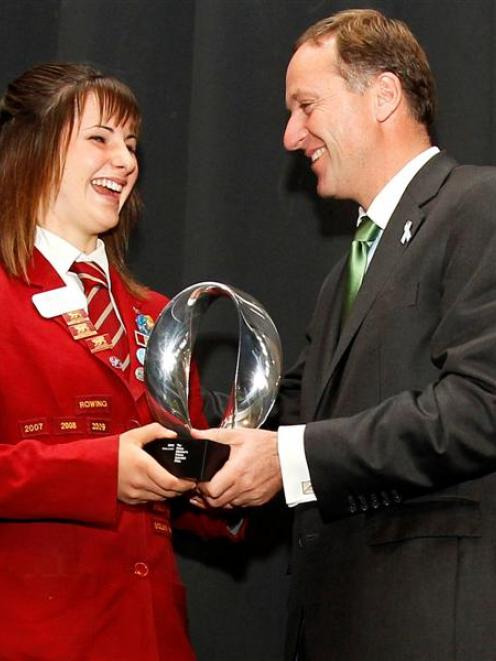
167,368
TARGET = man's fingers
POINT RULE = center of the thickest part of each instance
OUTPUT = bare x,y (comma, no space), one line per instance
221,482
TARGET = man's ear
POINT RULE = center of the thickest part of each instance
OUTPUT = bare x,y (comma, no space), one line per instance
388,95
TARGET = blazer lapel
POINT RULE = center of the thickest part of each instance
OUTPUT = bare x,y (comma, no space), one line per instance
331,331
43,277
398,236
129,307
41,273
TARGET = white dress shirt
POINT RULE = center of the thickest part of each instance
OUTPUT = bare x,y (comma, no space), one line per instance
61,254
290,439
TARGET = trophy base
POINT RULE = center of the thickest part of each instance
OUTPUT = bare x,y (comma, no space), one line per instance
186,457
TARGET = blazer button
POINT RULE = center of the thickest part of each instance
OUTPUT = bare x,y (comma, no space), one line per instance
364,506
352,506
374,501
141,569
385,498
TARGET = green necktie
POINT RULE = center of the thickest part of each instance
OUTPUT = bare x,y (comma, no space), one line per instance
364,237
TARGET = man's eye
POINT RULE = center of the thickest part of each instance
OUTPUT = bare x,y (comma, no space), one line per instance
306,107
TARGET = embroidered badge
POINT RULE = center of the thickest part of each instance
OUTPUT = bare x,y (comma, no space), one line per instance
99,343
98,426
82,330
68,426
75,317
34,427
97,403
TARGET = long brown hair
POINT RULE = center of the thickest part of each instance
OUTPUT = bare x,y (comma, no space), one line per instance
37,115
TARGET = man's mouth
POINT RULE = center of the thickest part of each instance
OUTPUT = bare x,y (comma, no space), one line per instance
108,184
317,154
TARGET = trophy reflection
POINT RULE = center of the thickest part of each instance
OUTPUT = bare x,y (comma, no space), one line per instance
167,369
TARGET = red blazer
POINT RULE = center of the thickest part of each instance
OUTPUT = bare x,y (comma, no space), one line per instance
82,576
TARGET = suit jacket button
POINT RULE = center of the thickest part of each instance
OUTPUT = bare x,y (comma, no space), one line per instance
141,569
396,496
352,506
374,501
364,506
385,498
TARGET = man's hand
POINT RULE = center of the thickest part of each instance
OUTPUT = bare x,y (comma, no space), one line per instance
251,476
140,477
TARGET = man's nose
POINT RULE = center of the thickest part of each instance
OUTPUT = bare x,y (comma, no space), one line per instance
294,134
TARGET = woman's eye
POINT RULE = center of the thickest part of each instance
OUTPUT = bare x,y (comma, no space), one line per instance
132,148
98,138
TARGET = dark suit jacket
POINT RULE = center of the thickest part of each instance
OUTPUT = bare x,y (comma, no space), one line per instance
397,559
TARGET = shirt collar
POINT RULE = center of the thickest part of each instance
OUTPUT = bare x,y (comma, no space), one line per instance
385,202
61,254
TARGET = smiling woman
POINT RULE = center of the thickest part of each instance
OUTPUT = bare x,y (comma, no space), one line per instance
100,171
44,116
86,564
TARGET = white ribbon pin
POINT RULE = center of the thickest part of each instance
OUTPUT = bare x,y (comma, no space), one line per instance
407,235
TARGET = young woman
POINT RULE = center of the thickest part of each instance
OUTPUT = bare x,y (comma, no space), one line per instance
86,565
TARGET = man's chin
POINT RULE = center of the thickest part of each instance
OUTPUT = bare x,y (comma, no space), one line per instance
324,189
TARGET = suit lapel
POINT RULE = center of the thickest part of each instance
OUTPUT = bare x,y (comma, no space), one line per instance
333,322
400,232
389,251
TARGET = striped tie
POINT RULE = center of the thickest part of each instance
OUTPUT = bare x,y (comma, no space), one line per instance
101,311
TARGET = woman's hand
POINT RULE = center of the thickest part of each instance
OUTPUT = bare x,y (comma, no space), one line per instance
140,478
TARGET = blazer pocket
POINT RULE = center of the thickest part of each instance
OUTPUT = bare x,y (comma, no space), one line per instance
449,518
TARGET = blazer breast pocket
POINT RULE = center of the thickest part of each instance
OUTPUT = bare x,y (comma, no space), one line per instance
442,518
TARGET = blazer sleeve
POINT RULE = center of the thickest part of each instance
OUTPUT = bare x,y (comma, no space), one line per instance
65,481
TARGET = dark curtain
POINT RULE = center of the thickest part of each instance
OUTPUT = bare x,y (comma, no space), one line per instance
224,202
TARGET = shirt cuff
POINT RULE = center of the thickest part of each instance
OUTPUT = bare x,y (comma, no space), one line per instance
294,468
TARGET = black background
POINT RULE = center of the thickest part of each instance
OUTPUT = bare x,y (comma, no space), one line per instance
224,202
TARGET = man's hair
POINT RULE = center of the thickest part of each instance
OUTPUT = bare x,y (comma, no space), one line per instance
368,43
37,115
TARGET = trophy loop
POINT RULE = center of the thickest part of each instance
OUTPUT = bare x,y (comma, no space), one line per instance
170,347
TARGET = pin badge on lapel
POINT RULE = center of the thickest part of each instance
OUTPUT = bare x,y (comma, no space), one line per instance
144,324
407,234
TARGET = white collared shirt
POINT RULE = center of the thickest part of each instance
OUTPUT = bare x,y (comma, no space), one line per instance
61,254
290,439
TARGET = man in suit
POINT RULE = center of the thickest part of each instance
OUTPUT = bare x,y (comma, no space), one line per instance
387,443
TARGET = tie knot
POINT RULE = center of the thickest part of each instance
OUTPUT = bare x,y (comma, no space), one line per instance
90,274
367,230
